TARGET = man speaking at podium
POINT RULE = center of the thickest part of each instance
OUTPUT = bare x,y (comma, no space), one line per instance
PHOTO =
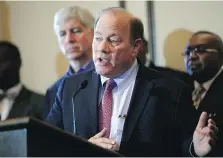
123,106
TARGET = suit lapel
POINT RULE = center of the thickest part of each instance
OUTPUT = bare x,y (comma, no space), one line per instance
90,65
93,109
140,96
211,102
19,107
87,107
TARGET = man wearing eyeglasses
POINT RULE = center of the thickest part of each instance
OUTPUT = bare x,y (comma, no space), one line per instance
203,57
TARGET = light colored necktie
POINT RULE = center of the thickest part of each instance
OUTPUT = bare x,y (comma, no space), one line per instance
10,96
197,95
105,108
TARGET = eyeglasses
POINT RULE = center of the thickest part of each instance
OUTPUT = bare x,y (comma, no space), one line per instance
199,49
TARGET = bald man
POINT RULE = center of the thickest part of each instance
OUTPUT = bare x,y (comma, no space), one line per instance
124,106
203,58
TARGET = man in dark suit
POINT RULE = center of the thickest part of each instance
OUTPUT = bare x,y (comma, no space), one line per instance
74,29
203,58
123,106
15,99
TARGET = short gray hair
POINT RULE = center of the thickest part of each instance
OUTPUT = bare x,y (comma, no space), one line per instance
76,12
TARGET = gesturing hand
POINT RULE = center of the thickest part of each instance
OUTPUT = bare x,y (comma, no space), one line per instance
99,140
205,135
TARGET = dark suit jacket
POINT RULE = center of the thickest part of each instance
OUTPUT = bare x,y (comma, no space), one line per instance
159,118
28,103
213,103
174,73
52,90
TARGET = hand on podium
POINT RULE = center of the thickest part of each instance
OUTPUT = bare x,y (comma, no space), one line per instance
103,142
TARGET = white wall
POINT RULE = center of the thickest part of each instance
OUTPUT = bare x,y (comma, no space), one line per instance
31,28
189,16
4,27
1,21
139,9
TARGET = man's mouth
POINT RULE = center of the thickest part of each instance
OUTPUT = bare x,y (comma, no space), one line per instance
104,60
194,67
74,49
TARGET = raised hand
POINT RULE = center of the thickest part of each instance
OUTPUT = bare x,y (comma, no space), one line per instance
205,135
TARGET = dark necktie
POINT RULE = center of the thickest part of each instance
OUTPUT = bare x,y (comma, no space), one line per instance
105,108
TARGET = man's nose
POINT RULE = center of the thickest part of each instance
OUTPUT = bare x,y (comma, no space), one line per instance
103,47
70,38
193,54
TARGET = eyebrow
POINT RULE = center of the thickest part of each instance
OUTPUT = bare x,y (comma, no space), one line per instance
96,32
74,27
201,45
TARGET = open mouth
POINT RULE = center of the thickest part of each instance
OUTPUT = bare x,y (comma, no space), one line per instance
104,60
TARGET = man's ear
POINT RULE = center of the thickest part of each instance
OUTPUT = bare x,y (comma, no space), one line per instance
137,46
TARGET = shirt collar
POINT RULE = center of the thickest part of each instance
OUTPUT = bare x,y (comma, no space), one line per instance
15,90
124,80
70,70
208,83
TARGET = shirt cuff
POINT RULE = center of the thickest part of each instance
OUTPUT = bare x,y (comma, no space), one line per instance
191,150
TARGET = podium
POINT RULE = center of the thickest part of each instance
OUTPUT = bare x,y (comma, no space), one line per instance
29,137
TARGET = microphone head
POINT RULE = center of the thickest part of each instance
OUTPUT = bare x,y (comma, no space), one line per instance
83,84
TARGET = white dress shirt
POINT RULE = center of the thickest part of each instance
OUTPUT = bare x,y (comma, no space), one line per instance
207,84
7,102
121,95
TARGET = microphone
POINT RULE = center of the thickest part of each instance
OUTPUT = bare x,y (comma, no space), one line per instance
82,85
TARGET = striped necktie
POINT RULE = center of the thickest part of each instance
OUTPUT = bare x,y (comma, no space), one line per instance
105,108
197,95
